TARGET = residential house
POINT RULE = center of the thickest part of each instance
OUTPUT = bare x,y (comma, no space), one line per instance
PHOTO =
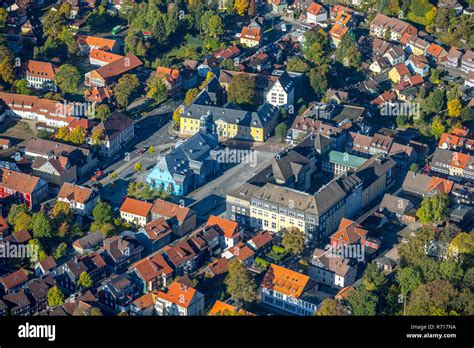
417,46
242,252
395,55
451,5
118,292
69,272
81,199
181,219
251,36
181,257
17,188
121,251
230,232
316,13
331,269
144,305
222,308
380,65
336,33
260,242
418,65
153,272
136,212
18,303
467,62
395,205
436,53
45,266
453,59
171,78
155,235
425,185
13,281
40,75
98,95
181,299
37,291
396,27
398,72
88,243
278,6
118,131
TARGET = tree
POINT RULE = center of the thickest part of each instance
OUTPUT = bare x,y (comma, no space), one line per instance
125,88
434,76
55,297
362,301
102,112
102,213
331,307
461,246
7,66
97,136
77,136
466,114
373,278
242,90
85,280
318,80
62,211
241,6
157,89
454,108
68,78
293,240
151,149
3,17
296,64
240,283
433,298
437,127
347,52
280,131
191,94
19,217
138,166
434,210
42,227
60,251
414,167
409,279
177,117
21,87
215,27
252,8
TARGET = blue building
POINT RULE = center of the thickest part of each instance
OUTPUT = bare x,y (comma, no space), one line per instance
191,163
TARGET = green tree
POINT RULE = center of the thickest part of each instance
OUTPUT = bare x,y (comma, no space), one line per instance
409,279
414,167
252,10
138,166
60,251
347,52
55,297
437,127
85,280
102,213
362,301
434,210
7,65
466,114
97,136
433,298
242,90
151,149
373,278
280,131
293,240
125,88
21,87
240,283
318,80
297,64
68,78
42,227
215,27
102,112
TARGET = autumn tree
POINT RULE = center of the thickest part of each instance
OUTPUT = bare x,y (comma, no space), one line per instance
293,240
68,78
157,89
125,88
241,6
102,112
191,94
85,280
97,136
454,108
331,307
242,90
7,65
437,127
240,283
55,297
77,136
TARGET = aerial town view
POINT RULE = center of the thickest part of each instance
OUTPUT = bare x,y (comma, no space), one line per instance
236,158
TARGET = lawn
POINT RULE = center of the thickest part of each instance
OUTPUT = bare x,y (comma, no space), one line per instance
277,253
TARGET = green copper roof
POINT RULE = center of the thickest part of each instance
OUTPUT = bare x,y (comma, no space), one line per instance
346,159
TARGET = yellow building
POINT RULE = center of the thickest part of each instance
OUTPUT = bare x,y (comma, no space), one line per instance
397,72
231,123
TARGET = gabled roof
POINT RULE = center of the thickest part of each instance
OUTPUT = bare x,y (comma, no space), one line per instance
43,70
157,229
104,56
228,227
119,67
95,41
171,210
251,33
180,294
222,308
152,267
76,193
315,9
349,232
14,279
18,181
136,207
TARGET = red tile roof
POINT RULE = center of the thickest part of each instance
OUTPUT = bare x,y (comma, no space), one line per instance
285,281
228,227
44,70
170,210
14,279
179,294
136,207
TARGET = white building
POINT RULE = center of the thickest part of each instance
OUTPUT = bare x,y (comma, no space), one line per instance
181,299
81,199
40,75
136,212
316,13
330,269
282,93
